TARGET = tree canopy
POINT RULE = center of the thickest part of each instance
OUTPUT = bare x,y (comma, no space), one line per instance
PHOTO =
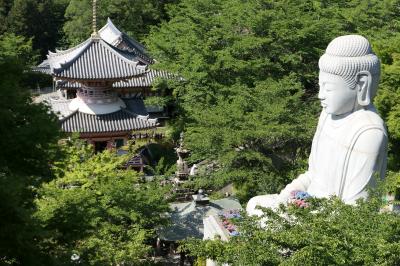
134,17
249,69
28,145
40,20
329,232
245,98
98,210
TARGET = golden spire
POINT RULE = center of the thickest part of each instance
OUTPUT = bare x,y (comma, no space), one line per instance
94,21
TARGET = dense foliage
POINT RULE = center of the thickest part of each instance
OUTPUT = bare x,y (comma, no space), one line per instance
98,210
27,144
40,20
250,78
61,23
134,17
246,101
329,232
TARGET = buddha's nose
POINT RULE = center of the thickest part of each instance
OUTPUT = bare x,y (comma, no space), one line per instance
321,94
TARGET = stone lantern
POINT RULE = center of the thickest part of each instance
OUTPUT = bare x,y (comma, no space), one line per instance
182,170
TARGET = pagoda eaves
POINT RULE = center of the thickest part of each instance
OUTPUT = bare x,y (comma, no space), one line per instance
95,60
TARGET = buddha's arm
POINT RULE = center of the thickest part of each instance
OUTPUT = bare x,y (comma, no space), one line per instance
300,183
366,158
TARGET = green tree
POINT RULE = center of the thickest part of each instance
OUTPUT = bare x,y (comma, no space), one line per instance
328,233
40,20
134,17
28,144
98,210
249,78
5,7
388,100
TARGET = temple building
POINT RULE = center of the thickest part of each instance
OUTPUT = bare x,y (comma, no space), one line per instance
98,88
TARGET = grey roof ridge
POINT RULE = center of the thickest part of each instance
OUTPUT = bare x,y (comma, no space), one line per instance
63,52
137,48
141,50
71,61
134,42
122,52
121,34
112,26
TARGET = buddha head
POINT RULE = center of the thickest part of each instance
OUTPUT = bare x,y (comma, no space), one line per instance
349,75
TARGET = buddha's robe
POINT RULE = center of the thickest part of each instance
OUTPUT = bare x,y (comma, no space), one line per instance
346,153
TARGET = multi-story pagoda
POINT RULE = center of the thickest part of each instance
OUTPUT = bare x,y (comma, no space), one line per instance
98,87
135,86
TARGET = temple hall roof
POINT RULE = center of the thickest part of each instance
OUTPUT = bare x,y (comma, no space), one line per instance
112,35
121,120
187,218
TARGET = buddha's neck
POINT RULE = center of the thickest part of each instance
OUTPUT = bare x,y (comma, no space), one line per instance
339,120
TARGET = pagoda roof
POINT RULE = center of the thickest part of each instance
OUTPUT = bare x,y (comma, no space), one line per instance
121,120
94,60
145,80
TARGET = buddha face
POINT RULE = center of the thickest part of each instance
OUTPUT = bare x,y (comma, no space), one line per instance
336,96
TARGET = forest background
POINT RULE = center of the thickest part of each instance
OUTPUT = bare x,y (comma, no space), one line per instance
246,101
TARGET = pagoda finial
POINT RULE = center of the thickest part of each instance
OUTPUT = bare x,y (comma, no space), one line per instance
95,33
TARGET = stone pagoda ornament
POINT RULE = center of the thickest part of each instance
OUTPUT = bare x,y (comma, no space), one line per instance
350,144
94,20
182,170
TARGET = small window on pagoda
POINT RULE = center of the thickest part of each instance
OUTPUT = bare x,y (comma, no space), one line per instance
91,93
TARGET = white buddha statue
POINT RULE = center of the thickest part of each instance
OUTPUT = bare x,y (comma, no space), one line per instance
349,145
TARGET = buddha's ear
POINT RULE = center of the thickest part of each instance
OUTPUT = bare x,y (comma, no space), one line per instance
363,87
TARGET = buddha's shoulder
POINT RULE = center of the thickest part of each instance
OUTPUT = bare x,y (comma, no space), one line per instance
359,121
368,118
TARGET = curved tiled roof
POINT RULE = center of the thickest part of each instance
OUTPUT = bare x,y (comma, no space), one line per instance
121,120
98,61
115,37
93,58
145,80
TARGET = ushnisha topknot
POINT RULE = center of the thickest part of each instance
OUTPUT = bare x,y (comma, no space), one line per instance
347,55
